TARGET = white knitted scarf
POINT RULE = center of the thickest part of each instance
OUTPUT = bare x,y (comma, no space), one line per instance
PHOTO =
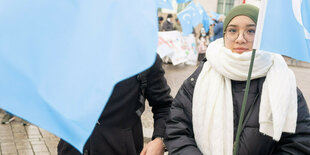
213,104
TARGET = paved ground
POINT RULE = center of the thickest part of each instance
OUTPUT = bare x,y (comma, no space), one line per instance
28,140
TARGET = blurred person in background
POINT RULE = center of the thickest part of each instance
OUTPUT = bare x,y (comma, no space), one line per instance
168,24
160,21
203,42
211,32
177,25
218,28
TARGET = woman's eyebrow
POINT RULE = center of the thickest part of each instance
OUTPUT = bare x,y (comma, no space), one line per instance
250,25
231,25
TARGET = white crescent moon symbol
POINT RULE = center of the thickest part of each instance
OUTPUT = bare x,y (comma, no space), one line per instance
296,5
184,18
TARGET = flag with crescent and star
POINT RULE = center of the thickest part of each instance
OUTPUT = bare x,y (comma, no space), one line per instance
190,17
284,27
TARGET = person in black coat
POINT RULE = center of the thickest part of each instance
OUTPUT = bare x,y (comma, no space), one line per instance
119,128
168,25
204,115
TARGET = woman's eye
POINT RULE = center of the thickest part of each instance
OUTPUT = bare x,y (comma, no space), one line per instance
232,30
251,31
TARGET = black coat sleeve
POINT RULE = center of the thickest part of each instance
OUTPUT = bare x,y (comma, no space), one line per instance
298,143
158,94
165,26
180,136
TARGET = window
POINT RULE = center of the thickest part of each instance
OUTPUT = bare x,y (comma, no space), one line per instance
181,6
227,4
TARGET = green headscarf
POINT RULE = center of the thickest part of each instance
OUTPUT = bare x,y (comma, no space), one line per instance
248,10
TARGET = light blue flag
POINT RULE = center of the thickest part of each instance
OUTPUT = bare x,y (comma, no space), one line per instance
197,12
189,18
204,17
185,18
284,28
165,4
183,1
206,21
59,60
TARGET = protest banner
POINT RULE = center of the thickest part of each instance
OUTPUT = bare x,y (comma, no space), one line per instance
179,49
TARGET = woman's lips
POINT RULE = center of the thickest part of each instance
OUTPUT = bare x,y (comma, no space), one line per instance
240,50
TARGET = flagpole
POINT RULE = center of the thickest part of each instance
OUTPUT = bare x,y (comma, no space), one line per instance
245,98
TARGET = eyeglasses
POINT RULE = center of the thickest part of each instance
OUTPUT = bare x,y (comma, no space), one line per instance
232,34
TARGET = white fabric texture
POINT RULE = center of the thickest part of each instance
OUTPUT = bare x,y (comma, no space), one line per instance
213,104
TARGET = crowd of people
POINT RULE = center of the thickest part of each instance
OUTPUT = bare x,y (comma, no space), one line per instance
168,24
203,117
203,38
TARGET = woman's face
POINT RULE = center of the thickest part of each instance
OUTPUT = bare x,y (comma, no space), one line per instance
239,34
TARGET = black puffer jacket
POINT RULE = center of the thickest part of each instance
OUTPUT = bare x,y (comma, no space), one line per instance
119,131
180,137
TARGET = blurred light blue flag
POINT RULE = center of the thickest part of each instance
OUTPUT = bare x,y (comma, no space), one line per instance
59,60
196,13
183,1
189,18
205,18
165,4
206,21
284,28
186,22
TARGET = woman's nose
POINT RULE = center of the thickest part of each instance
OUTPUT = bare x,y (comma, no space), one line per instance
240,39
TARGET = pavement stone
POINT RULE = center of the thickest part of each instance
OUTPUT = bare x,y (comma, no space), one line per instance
16,139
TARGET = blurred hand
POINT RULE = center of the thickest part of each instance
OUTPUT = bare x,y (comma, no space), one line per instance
155,147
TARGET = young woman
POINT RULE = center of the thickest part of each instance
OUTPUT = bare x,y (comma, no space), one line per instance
203,42
205,113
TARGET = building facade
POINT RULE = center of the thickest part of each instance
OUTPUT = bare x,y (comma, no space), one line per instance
218,6
224,6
